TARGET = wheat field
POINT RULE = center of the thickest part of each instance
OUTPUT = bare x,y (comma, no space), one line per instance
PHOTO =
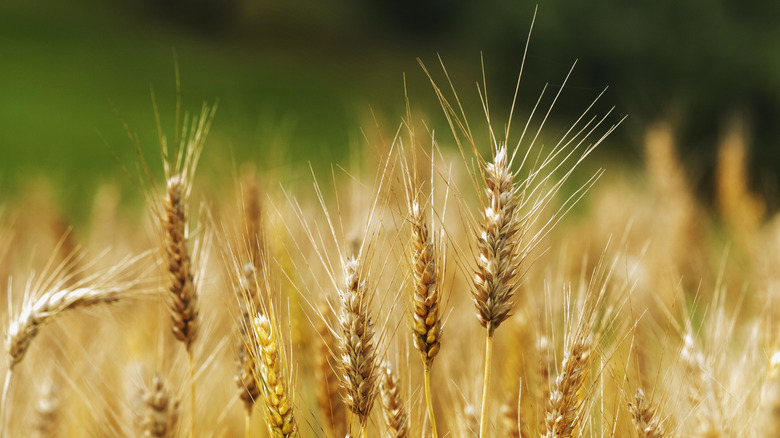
472,279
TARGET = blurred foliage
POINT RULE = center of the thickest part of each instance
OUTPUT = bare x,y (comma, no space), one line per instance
305,75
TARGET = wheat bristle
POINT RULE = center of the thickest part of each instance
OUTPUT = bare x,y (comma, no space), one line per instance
279,408
356,344
393,408
182,293
495,280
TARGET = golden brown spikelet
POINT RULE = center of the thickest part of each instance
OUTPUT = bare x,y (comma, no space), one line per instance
272,375
329,401
426,319
564,409
393,407
356,343
647,423
161,412
183,299
495,281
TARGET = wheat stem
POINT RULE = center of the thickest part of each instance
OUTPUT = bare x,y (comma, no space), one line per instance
429,401
192,393
364,430
6,386
485,384
247,421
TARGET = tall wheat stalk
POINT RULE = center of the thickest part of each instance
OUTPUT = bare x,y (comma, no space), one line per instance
426,319
498,266
174,219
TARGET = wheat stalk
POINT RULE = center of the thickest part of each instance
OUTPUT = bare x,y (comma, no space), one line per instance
426,319
356,345
498,264
279,407
394,410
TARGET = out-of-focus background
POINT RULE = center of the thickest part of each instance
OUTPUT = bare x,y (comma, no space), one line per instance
295,81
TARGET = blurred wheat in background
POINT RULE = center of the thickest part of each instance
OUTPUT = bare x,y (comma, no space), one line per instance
465,273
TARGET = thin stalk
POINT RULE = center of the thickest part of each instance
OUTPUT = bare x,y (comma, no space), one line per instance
429,402
485,384
192,394
247,419
364,430
6,385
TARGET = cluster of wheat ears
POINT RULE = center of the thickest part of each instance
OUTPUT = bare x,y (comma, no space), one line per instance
350,311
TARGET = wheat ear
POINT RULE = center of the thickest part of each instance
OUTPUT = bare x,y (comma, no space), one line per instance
248,391
643,416
356,344
35,315
182,293
426,319
393,408
161,413
495,280
564,409
279,408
